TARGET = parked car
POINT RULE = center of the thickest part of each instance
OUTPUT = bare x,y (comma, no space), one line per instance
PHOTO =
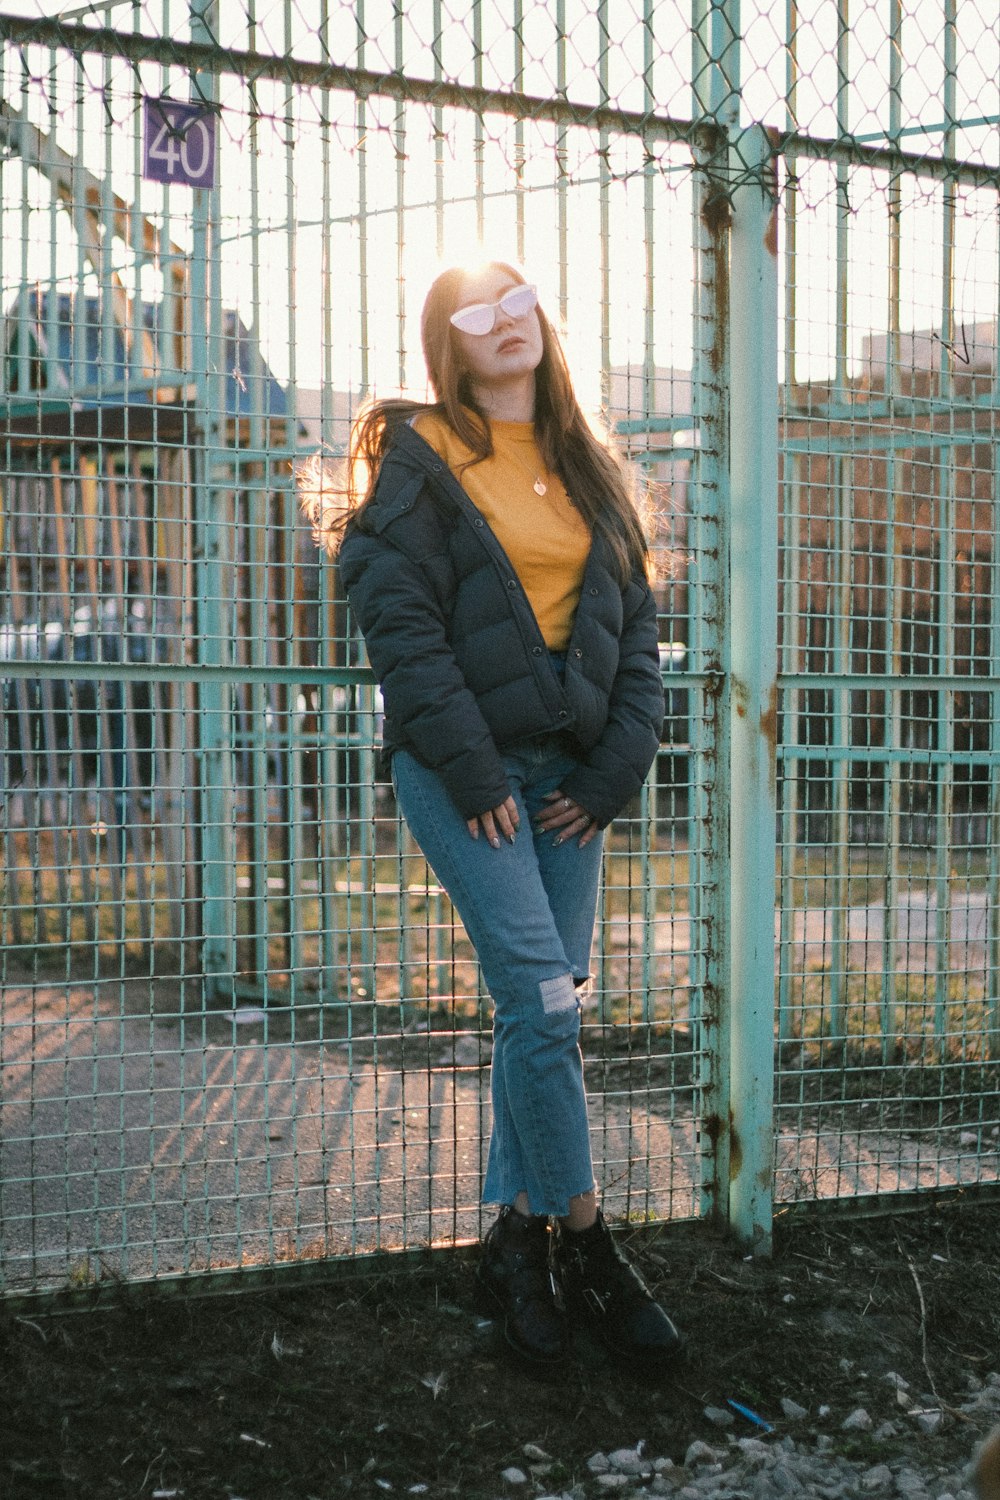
673,766
59,715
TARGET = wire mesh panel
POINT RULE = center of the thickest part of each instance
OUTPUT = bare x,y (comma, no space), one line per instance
887,1013
241,1023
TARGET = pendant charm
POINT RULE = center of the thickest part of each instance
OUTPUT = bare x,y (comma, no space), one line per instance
539,487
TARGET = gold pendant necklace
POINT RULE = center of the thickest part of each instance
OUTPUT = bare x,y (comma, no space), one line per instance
539,485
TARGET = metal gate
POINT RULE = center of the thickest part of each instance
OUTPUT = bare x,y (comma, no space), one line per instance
241,1025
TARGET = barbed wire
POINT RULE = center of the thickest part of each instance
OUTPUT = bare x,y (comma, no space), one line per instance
619,71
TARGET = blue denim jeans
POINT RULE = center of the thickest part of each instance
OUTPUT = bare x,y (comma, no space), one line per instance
529,909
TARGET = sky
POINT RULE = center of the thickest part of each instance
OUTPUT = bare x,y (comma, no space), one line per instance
334,216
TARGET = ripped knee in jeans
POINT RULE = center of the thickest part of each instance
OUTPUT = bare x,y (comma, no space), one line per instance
558,994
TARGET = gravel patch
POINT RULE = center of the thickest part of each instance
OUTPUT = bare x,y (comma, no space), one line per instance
769,1468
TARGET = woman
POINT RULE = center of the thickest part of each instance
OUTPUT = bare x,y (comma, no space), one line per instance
497,568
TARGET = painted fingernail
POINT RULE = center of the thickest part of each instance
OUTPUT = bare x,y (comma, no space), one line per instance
557,842
495,843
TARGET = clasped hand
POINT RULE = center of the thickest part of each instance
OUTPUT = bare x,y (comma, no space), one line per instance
563,817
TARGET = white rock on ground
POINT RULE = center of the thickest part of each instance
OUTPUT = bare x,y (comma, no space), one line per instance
627,1461
699,1453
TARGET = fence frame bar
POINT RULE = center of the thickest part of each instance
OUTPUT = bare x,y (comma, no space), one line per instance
753,575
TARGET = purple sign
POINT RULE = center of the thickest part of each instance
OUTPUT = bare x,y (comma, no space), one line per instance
178,142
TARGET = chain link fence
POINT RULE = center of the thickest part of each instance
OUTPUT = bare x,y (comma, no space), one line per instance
241,1025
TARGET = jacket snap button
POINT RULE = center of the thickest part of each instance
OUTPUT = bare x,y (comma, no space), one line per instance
436,468
578,653
512,583
479,521
563,714
536,650
594,592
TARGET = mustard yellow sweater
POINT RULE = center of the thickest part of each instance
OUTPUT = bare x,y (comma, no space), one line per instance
545,537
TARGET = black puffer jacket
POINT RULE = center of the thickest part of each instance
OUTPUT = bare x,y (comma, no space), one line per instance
463,667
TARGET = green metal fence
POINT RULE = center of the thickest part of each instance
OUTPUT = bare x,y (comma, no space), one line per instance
240,1023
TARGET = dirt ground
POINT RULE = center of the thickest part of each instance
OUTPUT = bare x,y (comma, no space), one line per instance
384,1384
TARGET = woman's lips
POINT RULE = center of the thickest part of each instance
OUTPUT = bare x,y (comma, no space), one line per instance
514,342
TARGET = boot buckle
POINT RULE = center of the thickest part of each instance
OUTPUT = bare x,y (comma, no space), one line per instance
594,1301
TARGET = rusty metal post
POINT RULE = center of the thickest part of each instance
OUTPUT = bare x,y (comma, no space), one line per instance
709,650
213,501
715,62
753,437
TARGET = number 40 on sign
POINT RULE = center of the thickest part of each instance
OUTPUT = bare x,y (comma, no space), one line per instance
178,142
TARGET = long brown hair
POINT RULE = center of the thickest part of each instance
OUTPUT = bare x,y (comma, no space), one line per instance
588,467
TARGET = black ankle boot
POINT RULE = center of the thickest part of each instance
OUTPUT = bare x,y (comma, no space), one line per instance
514,1273
602,1289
